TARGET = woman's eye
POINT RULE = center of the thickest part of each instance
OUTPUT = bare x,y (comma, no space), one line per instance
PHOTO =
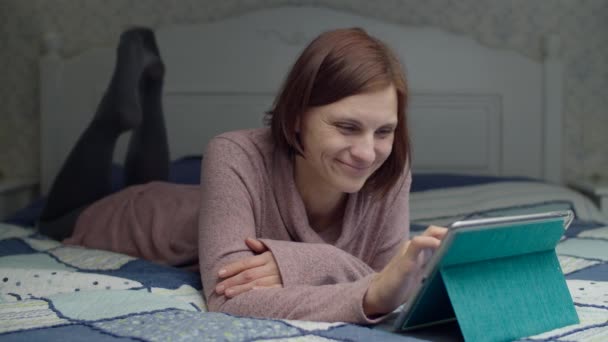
384,133
346,128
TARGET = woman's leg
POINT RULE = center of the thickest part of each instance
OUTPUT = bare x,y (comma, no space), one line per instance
147,156
86,174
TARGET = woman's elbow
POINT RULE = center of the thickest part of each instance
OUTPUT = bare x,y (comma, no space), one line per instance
215,303
219,303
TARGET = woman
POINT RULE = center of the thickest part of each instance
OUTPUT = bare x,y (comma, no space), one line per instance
305,220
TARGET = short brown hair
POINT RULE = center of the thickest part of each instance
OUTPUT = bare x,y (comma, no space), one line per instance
335,65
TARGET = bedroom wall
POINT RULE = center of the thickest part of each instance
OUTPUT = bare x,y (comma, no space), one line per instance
515,24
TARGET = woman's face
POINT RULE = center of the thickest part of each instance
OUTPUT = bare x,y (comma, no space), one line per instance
346,141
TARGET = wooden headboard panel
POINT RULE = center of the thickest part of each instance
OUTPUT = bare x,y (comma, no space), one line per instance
474,109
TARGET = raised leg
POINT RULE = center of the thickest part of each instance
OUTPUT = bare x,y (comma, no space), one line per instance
147,156
86,174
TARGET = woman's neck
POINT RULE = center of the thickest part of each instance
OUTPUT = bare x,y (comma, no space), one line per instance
324,205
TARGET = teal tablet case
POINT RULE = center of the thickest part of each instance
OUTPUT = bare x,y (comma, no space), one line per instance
500,284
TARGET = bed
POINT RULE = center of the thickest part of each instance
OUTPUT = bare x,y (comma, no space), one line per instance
487,129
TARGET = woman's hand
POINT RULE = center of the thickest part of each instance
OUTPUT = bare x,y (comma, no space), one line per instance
249,273
395,283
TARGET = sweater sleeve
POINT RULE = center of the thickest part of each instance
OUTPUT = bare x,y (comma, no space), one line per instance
227,219
315,264
342,302
307,263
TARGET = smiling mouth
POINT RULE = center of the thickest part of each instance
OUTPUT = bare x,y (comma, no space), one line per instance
355,168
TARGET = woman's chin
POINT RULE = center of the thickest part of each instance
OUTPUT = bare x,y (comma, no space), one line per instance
351,187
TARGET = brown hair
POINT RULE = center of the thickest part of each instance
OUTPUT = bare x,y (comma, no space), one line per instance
335,65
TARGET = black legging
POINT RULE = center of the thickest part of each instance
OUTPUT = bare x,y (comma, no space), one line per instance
132,102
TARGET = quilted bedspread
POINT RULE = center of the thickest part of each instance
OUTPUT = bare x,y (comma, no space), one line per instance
54,292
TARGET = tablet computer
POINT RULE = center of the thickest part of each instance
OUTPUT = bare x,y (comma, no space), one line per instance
464,242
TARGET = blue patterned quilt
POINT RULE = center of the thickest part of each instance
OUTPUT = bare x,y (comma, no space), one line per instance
53,292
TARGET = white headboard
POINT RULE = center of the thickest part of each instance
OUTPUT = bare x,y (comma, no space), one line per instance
474,109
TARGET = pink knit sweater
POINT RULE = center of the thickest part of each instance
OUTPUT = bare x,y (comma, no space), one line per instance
248,190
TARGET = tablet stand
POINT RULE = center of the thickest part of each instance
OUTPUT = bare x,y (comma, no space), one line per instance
500,284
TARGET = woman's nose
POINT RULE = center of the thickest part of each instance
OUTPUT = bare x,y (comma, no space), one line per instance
363,150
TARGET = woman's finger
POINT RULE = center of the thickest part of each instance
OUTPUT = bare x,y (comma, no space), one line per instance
270,281
241,278
420,243
256,245
242,265
265,282
436,232
276,286
250,275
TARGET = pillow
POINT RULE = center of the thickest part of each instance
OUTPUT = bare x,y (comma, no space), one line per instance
502,198
185,170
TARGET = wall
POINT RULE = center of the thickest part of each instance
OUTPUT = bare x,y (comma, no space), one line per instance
515,24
